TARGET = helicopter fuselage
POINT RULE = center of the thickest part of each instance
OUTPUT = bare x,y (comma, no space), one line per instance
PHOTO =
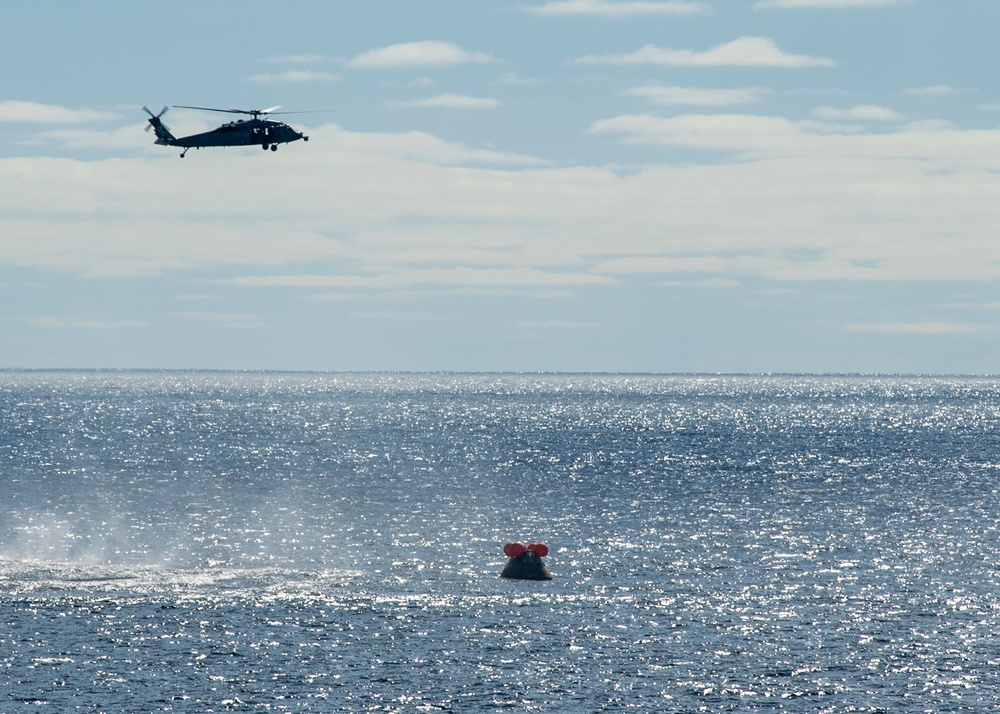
243,132
265,133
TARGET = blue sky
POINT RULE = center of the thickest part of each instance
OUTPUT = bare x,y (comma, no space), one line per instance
574,185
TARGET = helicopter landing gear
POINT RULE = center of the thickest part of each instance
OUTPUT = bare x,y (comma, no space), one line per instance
264,147
274,147
184,152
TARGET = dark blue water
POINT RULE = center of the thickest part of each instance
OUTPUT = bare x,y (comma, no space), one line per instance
195,542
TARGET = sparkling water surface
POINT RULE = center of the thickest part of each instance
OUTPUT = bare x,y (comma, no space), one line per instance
195,542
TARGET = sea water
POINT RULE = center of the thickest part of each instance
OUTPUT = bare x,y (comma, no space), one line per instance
196,542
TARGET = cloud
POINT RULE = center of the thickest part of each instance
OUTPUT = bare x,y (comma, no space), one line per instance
453,276
752,135
696,96
514,79
557,325
861,112
734,132
121,138
226,320
429,53
198,297
296,59
931,125
32,112
450,101
378,214
741,52
992,305
936,90
607,8
825,4
708,284
920,328
74,323
672,265
398,315
292,77
450,292
422,147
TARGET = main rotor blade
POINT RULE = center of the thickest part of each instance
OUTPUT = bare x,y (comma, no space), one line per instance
211,109
308,111
251,112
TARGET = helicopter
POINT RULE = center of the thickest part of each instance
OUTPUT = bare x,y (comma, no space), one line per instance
243,132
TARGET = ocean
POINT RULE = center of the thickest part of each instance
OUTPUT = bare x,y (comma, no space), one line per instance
299,542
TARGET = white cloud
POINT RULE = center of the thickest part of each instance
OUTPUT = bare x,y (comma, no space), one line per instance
461,291
227,320
721,132
450,101
992,305
826,4
75,323
557,325
127,137
455,276
32,112
674,265
514,79
398,315
429,53
608,8
920,328
935,90
752,135
931,125
296,59
382,214
422,147
709,284
292,77
199,297
696,96
741,52
861,112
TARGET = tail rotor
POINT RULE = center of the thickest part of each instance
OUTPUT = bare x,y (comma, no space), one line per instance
163,135
154,119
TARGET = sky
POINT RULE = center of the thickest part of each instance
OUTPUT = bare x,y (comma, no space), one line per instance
734,186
